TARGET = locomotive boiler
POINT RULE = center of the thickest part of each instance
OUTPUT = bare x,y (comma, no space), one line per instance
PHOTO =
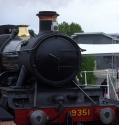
51,57
37,79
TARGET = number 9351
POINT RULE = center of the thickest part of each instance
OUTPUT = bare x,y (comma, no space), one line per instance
80,112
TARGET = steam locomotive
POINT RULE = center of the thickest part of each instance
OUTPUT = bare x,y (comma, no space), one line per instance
37,79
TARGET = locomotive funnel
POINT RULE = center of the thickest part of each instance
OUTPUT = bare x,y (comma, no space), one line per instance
47,21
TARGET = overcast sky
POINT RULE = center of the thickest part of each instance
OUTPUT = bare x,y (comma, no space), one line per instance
92,15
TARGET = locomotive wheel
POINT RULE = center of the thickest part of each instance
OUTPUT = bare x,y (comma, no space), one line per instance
116,119
38,117
79,123
107,116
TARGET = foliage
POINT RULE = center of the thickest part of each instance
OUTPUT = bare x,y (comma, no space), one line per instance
88,64
69,29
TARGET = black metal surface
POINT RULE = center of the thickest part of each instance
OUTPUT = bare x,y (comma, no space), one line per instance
54,58
45,25
47,13
7,29
44,98
5,116
22,77
3,38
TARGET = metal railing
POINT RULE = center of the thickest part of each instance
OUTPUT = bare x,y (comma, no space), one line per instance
100,75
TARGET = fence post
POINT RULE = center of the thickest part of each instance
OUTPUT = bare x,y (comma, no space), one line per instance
108,89
85,78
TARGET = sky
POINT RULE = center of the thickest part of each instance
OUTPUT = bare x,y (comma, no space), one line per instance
92,15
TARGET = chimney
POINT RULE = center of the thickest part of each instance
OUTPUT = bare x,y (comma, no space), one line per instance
47,21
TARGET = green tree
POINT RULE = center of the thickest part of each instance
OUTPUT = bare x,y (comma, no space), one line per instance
88,64
69,29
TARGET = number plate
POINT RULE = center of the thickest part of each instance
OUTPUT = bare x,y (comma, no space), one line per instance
81,112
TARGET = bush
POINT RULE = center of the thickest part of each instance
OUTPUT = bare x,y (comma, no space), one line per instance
88,64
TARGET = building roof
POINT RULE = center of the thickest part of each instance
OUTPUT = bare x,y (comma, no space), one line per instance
111,36
100,49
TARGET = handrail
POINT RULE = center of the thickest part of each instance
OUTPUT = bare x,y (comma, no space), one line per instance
107,74
113,87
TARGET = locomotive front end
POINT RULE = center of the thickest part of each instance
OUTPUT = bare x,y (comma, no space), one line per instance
53,57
